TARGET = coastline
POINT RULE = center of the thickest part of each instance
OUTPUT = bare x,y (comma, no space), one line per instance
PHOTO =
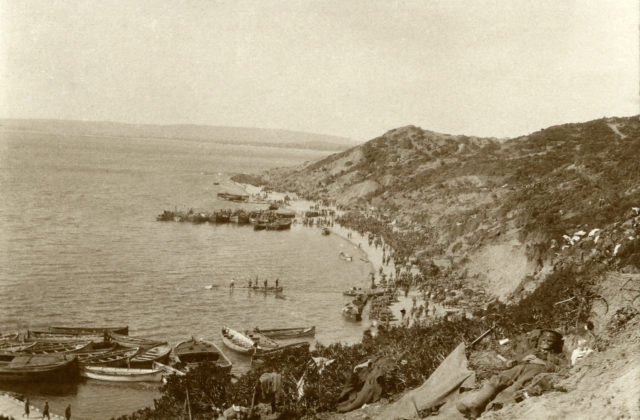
361,246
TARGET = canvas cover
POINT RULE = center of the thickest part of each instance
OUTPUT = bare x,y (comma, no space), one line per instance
447,378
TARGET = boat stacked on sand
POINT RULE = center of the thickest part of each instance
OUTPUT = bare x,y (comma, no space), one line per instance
195,351
285,333
150,350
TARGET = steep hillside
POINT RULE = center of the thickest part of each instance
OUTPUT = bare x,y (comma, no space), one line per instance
494,212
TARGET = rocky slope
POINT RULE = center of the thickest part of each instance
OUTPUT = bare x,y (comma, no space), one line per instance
499,213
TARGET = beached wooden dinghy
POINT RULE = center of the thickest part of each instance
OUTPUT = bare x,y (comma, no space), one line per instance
280,350
38,368
294,332
116,374
131,342
238,342
146,358
15,346
197,351
53,348
114,358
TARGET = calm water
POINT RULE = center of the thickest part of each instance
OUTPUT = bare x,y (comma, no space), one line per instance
80,246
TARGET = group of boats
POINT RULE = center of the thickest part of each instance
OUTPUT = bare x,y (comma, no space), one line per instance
260,219
63,354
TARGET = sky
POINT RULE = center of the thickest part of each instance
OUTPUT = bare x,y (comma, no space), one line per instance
352,68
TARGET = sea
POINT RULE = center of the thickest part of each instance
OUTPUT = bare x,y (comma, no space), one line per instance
80,246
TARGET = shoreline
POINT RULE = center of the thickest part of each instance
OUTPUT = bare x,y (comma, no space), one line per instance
14,408
360,243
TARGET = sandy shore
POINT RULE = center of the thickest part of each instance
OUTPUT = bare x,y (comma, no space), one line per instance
361,249
12,407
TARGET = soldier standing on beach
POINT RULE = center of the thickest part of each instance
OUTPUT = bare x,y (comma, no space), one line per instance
67,412
45,410
26,408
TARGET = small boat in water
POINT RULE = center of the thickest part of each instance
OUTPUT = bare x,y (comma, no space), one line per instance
294,332
116,374
280,350
344,256
76,331
326,231
38,368
195,351
114,358
351,312
146,358
239,342
279,224
53,348
129,341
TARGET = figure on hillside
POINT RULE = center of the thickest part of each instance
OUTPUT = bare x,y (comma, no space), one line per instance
26,407
505,387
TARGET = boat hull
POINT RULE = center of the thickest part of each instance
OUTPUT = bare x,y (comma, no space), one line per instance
199,351
288,332
122,374
41,369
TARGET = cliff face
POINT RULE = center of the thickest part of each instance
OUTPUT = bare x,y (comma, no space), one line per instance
496,211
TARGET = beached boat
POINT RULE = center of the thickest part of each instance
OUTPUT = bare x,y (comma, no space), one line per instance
15,346
146,358
279,224
39,368
264,342
351,312
294,332
344,256
53,348
238,342
119,357
129,341
197,351
353,292
280,350
116,374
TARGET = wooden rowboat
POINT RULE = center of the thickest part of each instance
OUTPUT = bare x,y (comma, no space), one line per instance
28,368
287,332
131,342
238,342
53,348
115,358
146,358
280,350
82,330
116,374
195,351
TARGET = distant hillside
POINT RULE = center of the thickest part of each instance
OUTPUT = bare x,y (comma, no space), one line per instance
227,135
492,211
